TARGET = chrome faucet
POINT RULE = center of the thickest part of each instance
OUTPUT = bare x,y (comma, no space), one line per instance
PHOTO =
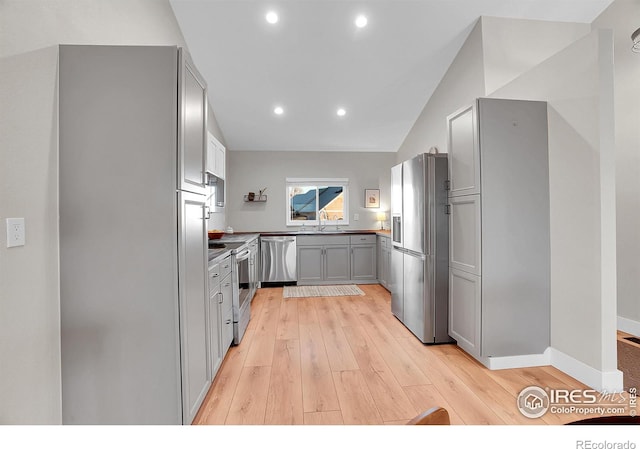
326,218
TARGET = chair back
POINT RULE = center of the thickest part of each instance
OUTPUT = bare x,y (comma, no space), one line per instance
435,415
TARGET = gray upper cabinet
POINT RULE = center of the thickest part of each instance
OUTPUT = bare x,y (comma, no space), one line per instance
464,153
499,228
193,137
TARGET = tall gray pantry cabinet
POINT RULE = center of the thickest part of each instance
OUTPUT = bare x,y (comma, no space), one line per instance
133,243
499,266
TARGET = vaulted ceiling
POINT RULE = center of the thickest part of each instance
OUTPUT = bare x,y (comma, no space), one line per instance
315,60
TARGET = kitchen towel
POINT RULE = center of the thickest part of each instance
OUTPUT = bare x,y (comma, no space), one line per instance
321,290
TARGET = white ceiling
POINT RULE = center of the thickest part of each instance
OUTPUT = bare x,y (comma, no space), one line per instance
315,60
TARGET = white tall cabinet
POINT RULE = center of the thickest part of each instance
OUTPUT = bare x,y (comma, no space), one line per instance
499,269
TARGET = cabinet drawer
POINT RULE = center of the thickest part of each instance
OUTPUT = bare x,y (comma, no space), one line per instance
363,239
384,241
313,240
225,267
214,279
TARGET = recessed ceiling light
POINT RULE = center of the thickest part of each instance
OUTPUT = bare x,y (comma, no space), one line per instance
272,17
361,21
341,112
278,110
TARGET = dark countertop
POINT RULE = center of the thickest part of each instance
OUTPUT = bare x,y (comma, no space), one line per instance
327,232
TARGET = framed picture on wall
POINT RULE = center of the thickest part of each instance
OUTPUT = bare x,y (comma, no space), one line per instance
371,197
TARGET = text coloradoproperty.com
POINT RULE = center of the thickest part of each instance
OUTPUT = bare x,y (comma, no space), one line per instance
588,410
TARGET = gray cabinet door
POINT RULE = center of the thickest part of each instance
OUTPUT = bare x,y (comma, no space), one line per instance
194,296
192,137
226,314
464,154
214,328
465,310
336,263
363,262
310,264
465,234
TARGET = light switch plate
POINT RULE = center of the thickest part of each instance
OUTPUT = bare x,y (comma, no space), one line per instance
15,232
356,217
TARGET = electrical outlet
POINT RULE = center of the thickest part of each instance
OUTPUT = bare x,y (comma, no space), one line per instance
356,217
15,232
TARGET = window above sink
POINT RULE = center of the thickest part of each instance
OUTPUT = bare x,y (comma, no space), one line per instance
317,201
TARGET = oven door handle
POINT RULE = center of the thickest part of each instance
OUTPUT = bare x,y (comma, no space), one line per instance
243,256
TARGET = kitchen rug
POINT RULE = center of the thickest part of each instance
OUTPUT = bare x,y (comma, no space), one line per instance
321,290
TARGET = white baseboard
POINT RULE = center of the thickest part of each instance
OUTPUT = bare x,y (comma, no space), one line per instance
609,381
518,361
629,326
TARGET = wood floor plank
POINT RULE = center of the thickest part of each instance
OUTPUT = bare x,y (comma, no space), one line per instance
318,390
288,321
461,397
323,418
306,310
356,402
498,399
338,350
250,399
388,395
403,367
261,351
284,400
347,317
216,405
425,397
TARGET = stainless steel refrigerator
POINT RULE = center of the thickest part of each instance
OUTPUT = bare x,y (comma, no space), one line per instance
420,237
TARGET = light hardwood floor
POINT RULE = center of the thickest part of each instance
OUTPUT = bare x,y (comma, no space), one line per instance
348,360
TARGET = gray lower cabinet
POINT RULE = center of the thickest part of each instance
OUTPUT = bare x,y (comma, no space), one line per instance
384,261
323,264
220,313
363,257
336,259
465,310
336,263
226,312
310,263
323,259
215,342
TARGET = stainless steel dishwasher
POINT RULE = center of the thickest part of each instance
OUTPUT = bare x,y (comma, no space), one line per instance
278,259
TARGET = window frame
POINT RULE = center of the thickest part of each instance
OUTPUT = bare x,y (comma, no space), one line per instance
318,183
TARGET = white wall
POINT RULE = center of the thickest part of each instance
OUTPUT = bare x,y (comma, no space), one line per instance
255,170
29,284
463,82
623,16
577,83
496,51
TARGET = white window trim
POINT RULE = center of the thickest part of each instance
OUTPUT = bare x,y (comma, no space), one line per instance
306,182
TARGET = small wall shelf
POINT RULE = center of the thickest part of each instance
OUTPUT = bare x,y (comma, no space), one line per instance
257,199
